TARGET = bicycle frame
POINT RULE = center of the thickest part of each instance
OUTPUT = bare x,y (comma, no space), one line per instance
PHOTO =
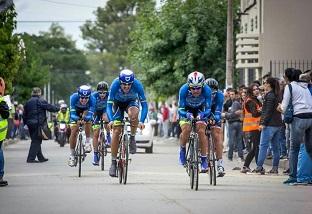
192,161
79,149
123,152
102,146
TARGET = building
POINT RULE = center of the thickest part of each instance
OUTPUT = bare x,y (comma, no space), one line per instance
274,35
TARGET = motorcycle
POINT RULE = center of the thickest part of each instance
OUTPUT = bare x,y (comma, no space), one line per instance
62,133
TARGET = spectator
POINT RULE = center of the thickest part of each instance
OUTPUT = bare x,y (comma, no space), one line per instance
165,119
301,126
34,118
270,125
252,112
4,115
235,127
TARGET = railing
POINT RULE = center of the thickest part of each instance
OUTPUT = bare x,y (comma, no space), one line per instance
277,67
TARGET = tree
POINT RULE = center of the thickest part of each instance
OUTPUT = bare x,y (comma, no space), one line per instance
67,64
182,37
10,54
32,72
108,37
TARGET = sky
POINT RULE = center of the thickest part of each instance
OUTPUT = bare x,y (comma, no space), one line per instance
34,16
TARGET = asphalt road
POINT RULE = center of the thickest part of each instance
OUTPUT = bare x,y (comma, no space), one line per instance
156,184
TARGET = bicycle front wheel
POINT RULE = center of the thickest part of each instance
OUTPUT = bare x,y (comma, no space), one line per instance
125,158
102,151
190,162
212,165
79,157
196,164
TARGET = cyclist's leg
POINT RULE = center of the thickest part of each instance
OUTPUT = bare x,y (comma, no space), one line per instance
117,128
88,126
72,142
203,140
184,136
133,113
217,136
108,136
96,157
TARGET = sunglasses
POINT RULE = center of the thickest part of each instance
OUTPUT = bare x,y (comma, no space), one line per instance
126,83
102,92
195,88
84,98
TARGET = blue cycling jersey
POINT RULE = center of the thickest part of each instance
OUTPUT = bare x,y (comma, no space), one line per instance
76,108
217,99
100,104
187,100
135,93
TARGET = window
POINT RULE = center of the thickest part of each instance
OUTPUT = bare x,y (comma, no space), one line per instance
256,22
246,27
251,25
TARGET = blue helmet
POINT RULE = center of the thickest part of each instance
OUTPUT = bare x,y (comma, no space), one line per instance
126,76
84,91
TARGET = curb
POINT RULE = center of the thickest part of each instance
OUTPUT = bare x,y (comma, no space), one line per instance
8,142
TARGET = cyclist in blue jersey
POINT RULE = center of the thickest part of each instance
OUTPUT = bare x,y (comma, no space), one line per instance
125,92
82,106
100,96
217,99
194,102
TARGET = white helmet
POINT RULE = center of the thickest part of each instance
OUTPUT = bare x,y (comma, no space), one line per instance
195,79
63,105
60,102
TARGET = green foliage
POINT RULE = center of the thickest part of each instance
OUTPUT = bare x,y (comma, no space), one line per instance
182,37
109,36
10,54
66,63
32,72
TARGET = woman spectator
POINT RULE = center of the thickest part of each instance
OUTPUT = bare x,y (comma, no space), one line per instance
270,125
252,112
301,126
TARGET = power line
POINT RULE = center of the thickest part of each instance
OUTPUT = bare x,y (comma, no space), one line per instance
69,4
49,21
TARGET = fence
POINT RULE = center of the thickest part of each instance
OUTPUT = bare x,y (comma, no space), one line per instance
277,67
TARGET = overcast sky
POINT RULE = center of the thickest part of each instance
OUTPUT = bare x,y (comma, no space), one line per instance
37,15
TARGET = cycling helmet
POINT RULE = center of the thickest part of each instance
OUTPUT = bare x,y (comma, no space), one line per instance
60,102
63,106
84,91
126,76
212,83
102,86
195,79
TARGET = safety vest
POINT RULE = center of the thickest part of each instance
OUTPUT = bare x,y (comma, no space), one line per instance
3,125
250,123
63,117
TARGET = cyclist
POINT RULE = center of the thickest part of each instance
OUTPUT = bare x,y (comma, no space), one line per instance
100,96
124,94
194,101
82,106
63,116
217,99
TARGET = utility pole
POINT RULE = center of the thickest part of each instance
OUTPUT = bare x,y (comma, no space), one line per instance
229,46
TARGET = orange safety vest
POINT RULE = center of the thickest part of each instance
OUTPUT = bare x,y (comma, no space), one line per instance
250,123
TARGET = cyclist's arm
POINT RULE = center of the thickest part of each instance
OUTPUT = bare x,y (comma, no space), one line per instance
182,100
112,91
219,106
73,100
207,95
91,109
142,99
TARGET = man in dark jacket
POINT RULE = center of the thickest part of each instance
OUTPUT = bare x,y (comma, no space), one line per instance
34,118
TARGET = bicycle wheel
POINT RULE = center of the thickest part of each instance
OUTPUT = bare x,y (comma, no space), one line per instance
191,161
79,155
212,165
120,163
125,157
196,163
102,150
